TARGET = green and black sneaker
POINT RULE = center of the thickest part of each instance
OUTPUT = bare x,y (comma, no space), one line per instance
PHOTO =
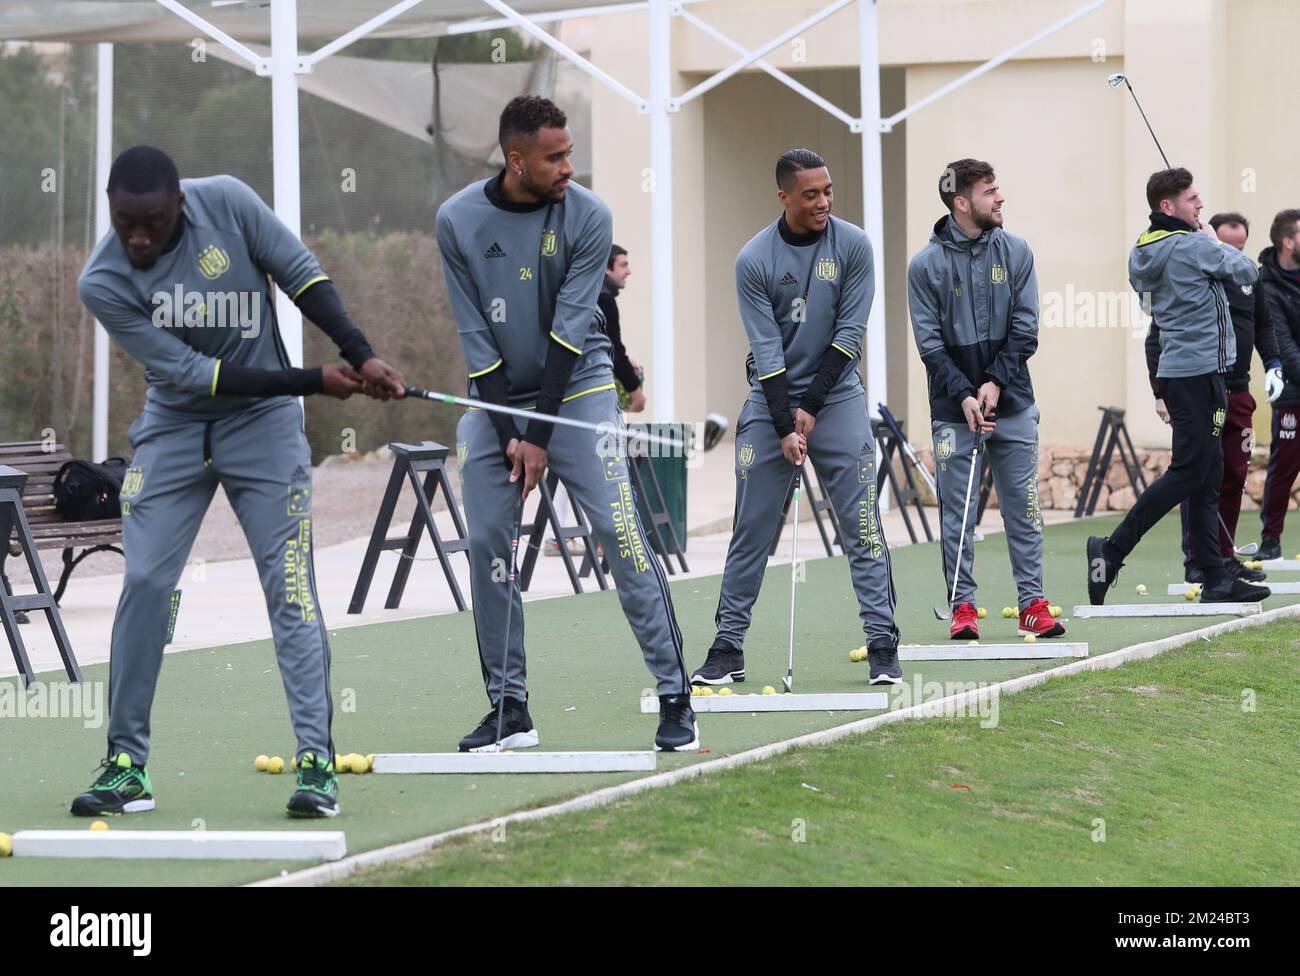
318,789
122,787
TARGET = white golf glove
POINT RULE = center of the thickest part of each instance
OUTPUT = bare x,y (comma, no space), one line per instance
1273,383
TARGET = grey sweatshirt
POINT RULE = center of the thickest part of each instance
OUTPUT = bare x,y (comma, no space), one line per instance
1180,273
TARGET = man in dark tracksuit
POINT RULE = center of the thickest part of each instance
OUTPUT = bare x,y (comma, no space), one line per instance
1253,329
617,271
524,254
973,297
1279,280
805,285
183,284
1179,266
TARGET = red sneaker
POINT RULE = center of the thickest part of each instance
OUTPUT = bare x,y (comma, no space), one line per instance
965,623
1037,619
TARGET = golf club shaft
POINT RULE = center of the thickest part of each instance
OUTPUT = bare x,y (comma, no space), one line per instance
794,573
607,428
1146,120
965,513
515,531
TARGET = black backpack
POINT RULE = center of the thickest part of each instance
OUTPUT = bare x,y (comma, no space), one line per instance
87,492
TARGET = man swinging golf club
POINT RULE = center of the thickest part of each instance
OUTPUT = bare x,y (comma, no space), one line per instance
805,285
524,256
973,296
182,283
1179,266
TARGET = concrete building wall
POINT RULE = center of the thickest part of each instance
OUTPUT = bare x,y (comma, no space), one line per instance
1072,157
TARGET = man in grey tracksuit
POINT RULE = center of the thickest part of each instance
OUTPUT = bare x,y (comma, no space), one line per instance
1178,266
805,285
181,283
524,257
973,297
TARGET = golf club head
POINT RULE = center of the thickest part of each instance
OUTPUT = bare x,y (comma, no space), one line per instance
1116,80
1249,549
788,683
715,428
942,614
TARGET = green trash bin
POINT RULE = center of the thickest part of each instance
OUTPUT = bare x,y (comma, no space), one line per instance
669,466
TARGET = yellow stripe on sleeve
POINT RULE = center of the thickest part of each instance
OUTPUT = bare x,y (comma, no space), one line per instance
216,371
566,345
308,285
484,372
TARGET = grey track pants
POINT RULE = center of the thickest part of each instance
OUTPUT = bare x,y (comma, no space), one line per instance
1012,451
594,470
842,452
261,458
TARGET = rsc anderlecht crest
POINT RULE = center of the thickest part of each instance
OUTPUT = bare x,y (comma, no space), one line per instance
826,269
213,262
548,243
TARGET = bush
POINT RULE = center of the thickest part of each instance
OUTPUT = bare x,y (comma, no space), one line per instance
392,285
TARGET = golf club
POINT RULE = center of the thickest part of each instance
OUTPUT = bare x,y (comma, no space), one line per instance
788,680
515,532
1114,81
606,428
975,459
1249,549
907,449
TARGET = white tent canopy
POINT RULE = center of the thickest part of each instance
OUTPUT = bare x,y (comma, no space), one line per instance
234,23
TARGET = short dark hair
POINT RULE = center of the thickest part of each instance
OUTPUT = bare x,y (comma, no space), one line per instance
792,161
1231,217
1284,225
524,115
959,176
1166,184
614,252
143,169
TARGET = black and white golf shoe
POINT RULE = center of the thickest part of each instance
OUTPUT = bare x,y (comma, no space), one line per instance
517,730
1104,564
678,730
723,666
882,656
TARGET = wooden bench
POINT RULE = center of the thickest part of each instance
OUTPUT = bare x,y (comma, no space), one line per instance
50,530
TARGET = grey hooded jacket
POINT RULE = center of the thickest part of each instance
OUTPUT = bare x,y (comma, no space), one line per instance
1179,272
974,308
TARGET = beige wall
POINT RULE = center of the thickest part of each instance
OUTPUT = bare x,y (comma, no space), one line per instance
1072,157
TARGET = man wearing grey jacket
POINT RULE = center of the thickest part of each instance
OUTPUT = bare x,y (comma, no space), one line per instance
1178,266
973,297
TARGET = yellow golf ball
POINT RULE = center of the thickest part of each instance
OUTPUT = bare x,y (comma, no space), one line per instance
706,692
1030,639
359,763
974,643
293,763
724,691
6,845
1008,612
276,766
769,690
261,762
981,613
1189,596
1141,587
99,825
1055,611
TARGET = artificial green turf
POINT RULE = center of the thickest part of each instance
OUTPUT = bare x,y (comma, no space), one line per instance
1180,770
415,686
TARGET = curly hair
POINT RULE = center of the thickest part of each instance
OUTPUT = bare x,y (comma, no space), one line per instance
525,114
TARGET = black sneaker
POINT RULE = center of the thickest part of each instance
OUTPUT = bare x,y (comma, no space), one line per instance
1249,575
1269,548
1102,570
722,666
517,730
122,787
1194,574
883,658
678,730
318,788
1230,589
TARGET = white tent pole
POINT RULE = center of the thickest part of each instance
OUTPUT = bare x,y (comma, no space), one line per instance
284,151
873,197
103,162
663,387
873,201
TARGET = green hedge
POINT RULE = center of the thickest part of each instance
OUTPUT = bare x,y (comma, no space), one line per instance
392,284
